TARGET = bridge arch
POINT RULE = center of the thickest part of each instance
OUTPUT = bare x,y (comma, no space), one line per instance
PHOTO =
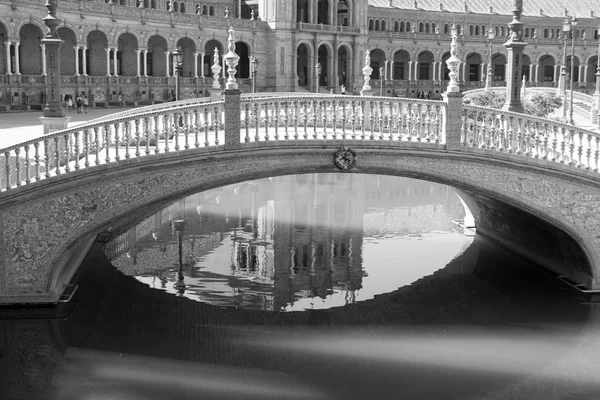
75,210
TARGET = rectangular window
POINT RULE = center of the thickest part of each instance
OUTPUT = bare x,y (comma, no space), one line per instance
499,72
399,70
474,72
424,71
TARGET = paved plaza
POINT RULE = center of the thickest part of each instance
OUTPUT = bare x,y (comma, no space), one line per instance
17,127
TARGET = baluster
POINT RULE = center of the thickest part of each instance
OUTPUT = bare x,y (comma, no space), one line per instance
17,166
7,169
380,119
167,129
428,123
197,128
314,118
147,131
344,120
571,146
436,123
588,152
156,133
306,105
553,129
362,119
97,145
536,139
28,165
500,134
324,113
286,118
137,138
206,127
267,119
563,145
36,145
334,117
216,121
68,145
597,154
275,118
544,143
117,142
186,129
127,137
256,121
353,119
247,122
580,150
77,150
519,135
296,106
47,157
177,128
57,154
396,115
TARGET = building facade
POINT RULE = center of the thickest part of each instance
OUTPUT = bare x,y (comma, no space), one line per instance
120,51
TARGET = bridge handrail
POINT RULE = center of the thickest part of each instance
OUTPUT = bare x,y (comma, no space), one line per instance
99,122
151,107
530,136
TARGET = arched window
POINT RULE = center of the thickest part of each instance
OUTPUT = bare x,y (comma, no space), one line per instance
496,31
204,10
583,34
182,7
396,26
446,29
545,33
153,4
533,33
377,25
483,30
433,27
175,7
168,6
402,26
198,9
211,11
421,27
477,30
526,32
471,30
458,30
502,32
383,25
427,27
370,24
408,27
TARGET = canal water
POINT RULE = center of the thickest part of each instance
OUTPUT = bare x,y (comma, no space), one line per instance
315,286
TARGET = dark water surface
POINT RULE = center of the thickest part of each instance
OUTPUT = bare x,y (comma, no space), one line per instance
306,287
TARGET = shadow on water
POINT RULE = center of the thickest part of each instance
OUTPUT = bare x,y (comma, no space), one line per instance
488,325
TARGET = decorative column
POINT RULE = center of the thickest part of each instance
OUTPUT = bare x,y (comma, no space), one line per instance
137,63
410,63
107,61
416,71
84,68
514,48
54,115
531,72
145,63
76,60
43,47
367,70
202,72
196,63
556,76
482,74
582,73
17,61
8,66
115,62
391,75
232,98
168,64
536,70
453,98
440,71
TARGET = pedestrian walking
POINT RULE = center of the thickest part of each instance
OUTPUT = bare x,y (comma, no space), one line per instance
69,102
79,103
85,104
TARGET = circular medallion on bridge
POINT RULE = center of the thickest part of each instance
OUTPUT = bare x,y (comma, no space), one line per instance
344,158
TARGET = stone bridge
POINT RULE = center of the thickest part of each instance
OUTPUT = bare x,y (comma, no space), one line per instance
532,184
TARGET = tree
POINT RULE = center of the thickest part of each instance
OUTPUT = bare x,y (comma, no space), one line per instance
538,104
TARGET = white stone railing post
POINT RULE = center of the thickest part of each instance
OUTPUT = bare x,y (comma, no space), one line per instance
454,100
231,97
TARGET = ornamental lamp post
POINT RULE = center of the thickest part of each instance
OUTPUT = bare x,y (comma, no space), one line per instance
381,80
318,70
177,63
573,24
254,68
490,72
562,80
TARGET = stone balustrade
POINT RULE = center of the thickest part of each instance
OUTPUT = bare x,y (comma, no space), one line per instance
174,129
528,136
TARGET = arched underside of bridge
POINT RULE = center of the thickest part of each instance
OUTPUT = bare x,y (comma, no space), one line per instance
47,230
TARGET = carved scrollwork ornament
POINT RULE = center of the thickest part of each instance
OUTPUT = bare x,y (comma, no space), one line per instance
344,158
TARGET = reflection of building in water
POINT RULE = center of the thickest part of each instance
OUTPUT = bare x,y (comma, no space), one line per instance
270,242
